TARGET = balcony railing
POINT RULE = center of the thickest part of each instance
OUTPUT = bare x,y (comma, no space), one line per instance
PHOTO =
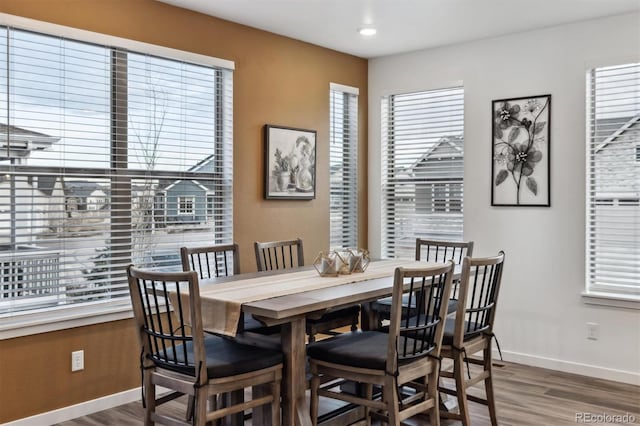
30,274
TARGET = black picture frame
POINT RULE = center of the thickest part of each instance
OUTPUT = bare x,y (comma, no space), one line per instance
289,163
521,151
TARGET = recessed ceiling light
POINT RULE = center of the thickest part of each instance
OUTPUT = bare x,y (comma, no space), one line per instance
367,31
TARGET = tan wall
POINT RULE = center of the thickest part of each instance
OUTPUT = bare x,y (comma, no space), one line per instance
35,371
277,81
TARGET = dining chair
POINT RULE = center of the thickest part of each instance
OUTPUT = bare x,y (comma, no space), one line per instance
470,332
276,255
177,355
211,261
405,357
221,261
430,251
288,254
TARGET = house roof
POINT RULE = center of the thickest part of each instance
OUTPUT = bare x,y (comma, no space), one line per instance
195,182
455,142
15,130
202,164
22,141
206,163
82,189
627,124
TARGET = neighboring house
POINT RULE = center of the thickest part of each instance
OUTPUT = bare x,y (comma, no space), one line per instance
428,196
21,142
28,198
617,164
186,201
617,161
438,177
84,196
30,207
86,204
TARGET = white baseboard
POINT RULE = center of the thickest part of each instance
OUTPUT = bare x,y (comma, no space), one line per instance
629,377
79,410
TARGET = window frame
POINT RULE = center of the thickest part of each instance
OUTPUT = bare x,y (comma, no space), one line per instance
395,174
599,294
23,323
181,210
346,195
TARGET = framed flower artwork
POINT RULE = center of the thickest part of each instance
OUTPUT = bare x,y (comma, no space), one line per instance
289,163
520,167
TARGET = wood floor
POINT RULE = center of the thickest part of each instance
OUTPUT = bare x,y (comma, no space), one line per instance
526,396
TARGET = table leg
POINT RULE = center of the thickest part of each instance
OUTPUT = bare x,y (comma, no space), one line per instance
368,317
294,406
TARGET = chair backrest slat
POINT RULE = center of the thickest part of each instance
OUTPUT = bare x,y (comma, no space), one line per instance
479,289
211,261
169,329
274,255
412,337
442,251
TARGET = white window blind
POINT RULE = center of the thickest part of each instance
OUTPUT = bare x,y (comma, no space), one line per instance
422,168
613,211
107,157
343,168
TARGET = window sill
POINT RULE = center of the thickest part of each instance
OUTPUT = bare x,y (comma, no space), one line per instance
20,325
612,300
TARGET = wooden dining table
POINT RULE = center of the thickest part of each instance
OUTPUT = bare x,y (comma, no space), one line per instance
297,294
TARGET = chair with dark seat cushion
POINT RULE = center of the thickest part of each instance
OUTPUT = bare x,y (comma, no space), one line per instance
288,254
430,251
177,355
405,357
221,261
471,331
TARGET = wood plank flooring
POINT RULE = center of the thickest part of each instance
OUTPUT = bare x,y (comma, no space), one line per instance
526,396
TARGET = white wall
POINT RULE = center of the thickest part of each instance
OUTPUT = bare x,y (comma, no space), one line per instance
541,316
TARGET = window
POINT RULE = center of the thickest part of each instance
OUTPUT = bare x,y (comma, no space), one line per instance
613,176
185,205
343,166
108,156
422,168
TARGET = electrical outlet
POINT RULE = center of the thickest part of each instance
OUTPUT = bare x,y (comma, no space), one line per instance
593,331
77,360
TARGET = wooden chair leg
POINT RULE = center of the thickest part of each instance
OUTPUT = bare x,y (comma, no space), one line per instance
432,393
461,391
235,398
315,385
200,407
275,404
368,393
189,414
149,398
488,385
261,414
391,399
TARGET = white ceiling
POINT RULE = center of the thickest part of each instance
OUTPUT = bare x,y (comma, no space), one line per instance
403,25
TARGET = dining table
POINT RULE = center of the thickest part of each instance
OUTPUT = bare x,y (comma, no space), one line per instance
287,298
